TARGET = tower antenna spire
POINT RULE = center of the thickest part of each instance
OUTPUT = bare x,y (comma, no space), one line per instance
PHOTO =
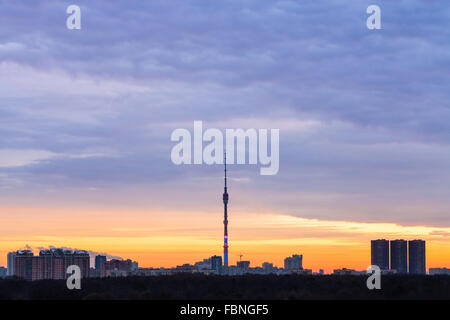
225,216
225,162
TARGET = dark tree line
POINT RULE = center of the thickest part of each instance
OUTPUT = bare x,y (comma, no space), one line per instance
189,286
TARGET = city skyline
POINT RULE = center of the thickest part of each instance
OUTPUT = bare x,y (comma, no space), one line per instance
86,118
317,261
399,256
391,256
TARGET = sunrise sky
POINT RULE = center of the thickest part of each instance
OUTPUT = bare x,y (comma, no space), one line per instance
86,117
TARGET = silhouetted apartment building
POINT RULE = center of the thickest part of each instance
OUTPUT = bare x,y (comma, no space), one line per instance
379,251
267,267
293,263
243,265
23,264
3,272
118,268
439,271
417,264
399,256
99,259
348,272
50,264
10,263
216,263
185,268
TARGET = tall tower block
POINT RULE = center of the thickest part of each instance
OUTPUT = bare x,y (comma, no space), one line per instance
225,217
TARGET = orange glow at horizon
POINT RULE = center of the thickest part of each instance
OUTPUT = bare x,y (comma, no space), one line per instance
167,239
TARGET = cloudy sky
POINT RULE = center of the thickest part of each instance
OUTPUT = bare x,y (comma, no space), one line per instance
86,117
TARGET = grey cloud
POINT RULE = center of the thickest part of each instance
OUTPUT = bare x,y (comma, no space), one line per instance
381,97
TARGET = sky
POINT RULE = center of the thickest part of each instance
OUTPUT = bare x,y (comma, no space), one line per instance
86,117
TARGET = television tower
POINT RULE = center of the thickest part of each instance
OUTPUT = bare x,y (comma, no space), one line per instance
225,217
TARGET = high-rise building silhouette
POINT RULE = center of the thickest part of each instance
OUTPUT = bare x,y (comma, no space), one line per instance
117,268
216,263
267,267
243,265
417,263
399,256
3,272
10,263
225,219
99,259
50,264
294,263
380,253
23,264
